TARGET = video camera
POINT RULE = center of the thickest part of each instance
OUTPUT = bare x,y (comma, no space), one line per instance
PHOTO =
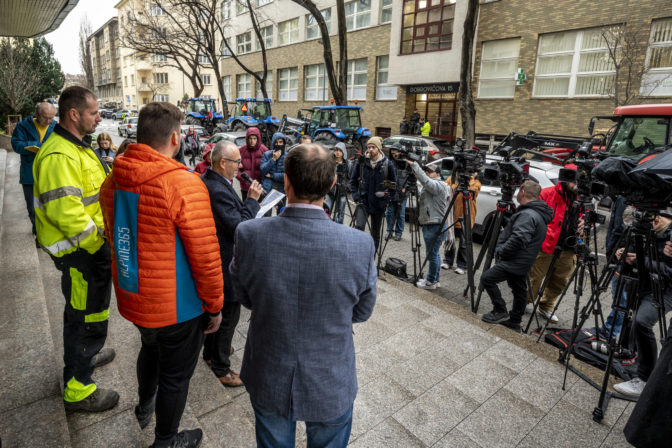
585,163
510,172
409,152
465,162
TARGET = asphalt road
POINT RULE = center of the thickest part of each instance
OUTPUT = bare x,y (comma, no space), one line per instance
110,126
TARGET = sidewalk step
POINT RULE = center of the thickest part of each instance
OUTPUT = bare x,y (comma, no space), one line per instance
31,407
3,165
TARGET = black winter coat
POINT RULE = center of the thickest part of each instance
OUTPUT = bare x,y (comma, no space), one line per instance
229,211
520,241
372,183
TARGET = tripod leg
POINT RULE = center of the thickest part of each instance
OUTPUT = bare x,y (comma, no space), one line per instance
490,252
542,288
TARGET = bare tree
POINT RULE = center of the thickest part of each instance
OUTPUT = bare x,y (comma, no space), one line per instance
626,53
85,62
337,81
467,107
18,77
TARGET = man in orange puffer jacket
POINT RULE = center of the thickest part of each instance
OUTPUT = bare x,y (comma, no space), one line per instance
165,266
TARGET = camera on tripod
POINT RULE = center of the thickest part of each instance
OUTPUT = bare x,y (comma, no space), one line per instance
510,172
409,152
585,162
465,162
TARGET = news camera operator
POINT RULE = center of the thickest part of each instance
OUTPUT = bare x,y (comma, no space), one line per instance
398,202
339,191
432,205
647,313
373,181
516,250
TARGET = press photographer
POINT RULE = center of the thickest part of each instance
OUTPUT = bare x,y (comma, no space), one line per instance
515,253
396,209
373,181
337,198
432,205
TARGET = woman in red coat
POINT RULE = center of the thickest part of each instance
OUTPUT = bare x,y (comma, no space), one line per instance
250,155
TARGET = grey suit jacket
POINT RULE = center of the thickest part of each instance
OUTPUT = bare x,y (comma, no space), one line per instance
306,280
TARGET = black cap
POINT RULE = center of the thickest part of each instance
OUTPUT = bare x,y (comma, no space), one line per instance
436,168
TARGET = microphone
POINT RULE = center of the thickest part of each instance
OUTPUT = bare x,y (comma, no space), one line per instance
246,177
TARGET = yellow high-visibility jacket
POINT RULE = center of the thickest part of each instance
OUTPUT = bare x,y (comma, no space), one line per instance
68,176
425,129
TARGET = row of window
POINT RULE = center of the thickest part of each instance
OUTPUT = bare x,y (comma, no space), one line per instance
575,64
316,84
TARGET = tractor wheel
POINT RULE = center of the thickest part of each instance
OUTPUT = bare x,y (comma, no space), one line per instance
326,138
192,121
239,127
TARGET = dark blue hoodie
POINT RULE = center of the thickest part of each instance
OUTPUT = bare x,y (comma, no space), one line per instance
276,168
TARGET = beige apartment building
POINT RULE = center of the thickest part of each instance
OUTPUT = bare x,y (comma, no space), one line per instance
146,77
104,46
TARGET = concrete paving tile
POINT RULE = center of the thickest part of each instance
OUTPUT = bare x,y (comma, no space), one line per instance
206,392
447,324
481,378
32,376
436,412
388,434
377,400
401,317
379,358
585,397
118,431
540,384
566,425
413,341
40,423
392,298
229,426
616,438
456,439
367,334
300,436
512,356
502,421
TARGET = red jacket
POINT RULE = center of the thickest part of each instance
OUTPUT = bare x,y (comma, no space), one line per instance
251,159
165,254
555,198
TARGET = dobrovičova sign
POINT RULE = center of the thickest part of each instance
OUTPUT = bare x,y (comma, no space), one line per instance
445,87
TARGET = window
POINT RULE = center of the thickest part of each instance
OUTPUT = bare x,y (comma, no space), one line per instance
244,43
572,64
315,83
288,32
164,98
226,9
385,13
241,7
132,80
159,78
223,49
158,34
267,34
312,30
244,85
159,58
357,14
357,79
226,81
203,59
116,52
288,84
499,64
263,2
206,80
157,10
657,79
125,81
427,25
269,84
384,91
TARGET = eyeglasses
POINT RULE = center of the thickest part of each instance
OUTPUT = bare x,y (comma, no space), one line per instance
237,162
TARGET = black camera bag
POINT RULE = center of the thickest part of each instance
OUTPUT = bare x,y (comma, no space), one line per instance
396,267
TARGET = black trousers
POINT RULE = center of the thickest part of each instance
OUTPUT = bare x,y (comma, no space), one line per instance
28,196
166,362
87,288
461,251
218,345
498,274
647,347
376,226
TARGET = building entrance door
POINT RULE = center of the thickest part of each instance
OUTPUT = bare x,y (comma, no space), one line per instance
441,111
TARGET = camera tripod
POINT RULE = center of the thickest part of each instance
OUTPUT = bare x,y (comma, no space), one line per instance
586,259
505,208
411,195
630,281
340,194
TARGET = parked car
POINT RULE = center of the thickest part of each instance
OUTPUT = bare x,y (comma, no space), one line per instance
106,113
544,173
237,137
128,127
433,148
123,113
199,130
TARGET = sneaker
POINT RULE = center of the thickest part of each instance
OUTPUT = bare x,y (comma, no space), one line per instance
424,284
445,266
529,307
515,326
459,271
548,316
495,316
100,400
632,388
397,238
188,438
104,356
143,413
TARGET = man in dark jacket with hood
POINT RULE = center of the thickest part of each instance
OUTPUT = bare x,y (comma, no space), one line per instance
250,156
516,250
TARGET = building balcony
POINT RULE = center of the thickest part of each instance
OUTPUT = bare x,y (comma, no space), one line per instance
144,88
142,65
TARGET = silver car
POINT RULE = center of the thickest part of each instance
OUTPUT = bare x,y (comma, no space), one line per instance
434,148
128,127
237,137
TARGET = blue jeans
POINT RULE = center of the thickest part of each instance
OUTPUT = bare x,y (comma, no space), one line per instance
389,216
615,318
339,210
275,431
429,232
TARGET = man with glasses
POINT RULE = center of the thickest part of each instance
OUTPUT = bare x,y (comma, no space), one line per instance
229,211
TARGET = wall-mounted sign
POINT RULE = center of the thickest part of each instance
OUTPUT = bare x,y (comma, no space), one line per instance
444,87
520,77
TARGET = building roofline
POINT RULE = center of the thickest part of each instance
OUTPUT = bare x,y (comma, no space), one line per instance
103,26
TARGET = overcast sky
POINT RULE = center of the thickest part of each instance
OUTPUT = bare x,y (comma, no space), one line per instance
66,38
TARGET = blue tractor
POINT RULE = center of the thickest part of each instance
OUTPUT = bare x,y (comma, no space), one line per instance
333,124
203,112
253,112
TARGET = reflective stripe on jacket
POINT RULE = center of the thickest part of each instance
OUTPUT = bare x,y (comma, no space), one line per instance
68,176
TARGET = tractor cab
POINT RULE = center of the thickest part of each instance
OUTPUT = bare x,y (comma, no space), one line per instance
252,107
338,123
200,106
203,112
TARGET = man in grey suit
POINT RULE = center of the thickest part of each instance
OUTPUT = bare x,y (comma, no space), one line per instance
307,280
